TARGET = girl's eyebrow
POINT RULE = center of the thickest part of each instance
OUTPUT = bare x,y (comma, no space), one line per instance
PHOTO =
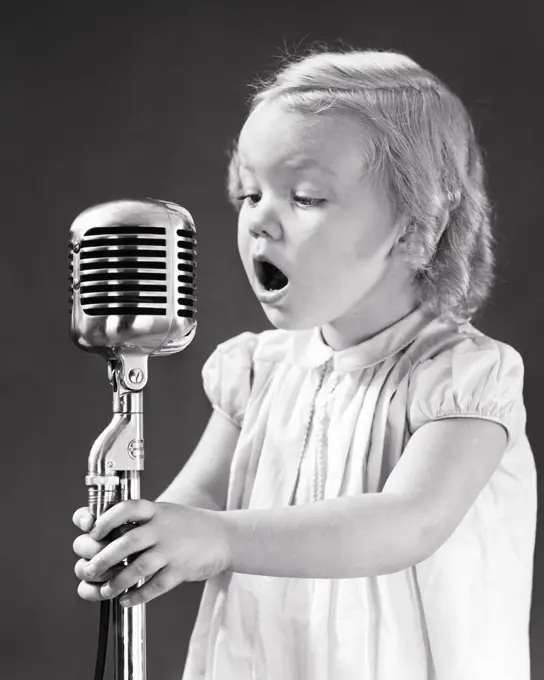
304,163
295,164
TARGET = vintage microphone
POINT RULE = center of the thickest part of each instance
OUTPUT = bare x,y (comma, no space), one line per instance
132,296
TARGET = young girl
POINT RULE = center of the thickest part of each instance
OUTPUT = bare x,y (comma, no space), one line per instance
363,500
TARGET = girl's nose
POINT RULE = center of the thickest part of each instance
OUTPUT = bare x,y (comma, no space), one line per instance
263,220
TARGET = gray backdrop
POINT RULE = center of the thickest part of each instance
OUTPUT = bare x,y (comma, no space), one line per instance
108,100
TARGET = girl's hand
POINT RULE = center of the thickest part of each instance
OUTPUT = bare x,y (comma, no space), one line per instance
175,543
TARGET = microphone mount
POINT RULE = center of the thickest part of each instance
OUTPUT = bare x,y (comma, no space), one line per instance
120,447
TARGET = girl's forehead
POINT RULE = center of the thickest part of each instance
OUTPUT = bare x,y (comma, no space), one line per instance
273,135
276,115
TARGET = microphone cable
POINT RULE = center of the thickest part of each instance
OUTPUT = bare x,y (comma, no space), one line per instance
103,630
105,608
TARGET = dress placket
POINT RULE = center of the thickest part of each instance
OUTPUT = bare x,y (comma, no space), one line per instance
319,411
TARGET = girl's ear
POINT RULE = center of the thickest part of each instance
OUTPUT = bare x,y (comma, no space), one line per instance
401,229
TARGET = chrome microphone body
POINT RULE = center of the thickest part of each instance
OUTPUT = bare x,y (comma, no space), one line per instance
132,295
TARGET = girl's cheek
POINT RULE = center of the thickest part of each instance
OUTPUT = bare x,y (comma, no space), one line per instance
242,237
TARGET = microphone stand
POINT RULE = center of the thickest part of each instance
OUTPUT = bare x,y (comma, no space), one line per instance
114,466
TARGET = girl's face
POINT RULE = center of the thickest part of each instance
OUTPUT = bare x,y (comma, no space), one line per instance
308,208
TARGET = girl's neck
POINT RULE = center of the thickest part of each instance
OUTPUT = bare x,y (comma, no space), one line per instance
384,305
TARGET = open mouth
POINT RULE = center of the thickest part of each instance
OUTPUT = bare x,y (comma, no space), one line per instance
269,276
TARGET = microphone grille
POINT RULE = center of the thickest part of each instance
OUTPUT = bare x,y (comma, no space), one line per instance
70,277
186,264
123,270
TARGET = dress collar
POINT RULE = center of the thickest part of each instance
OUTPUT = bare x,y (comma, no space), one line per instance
309,350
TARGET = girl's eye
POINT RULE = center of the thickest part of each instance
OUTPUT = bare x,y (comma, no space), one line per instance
253,198
308,201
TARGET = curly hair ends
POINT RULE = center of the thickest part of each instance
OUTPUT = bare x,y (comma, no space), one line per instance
423,147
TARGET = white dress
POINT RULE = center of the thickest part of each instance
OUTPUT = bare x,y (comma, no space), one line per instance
462,614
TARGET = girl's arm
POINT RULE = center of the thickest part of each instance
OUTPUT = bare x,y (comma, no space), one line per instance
435,483
203,480
439,476
351,536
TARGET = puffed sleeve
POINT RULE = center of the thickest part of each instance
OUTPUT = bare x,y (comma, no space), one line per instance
477,378
226,376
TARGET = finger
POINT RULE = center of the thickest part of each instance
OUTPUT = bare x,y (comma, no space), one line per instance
90,591
146,566
160,583
125,511
83,519
85,546
134,541
79,571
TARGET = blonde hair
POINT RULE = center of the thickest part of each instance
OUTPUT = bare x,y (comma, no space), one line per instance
423,147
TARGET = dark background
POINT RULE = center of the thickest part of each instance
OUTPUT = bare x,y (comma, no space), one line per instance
132,99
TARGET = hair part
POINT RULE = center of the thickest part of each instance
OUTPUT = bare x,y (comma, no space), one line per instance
422,147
